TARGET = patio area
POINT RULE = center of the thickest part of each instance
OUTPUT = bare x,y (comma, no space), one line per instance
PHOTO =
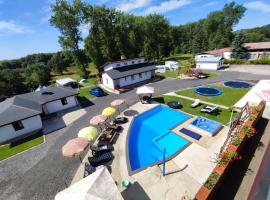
185,173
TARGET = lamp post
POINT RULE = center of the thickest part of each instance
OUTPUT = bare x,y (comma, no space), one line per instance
164,160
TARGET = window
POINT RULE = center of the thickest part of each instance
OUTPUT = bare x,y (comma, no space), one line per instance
132,62
118,65
132,77
64,101
140,75
107,81
18,125
125,78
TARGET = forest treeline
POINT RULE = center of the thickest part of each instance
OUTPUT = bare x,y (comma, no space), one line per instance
112,33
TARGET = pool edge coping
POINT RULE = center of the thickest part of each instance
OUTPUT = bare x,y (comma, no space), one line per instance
130,172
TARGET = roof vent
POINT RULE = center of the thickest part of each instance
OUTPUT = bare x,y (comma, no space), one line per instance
47,93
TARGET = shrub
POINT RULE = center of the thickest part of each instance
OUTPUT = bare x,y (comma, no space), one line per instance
260,62
235,61
211,181
249,131
226,157
236,140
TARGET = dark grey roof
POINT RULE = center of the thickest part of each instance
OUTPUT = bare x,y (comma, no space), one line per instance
124,71
17,108
30,104
49,94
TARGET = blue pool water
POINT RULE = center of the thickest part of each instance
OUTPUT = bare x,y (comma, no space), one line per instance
150,134
206,124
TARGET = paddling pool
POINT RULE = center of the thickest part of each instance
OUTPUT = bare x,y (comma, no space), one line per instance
237,84
207,125
208,91
150,134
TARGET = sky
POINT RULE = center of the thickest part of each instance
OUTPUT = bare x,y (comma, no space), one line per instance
25,29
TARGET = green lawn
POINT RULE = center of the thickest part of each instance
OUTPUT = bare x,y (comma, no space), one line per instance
11,149
223,115
228,97
173,74
85,93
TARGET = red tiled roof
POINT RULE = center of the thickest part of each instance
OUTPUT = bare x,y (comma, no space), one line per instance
219,51
257,45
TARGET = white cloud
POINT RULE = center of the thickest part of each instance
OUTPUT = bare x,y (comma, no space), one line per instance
258,5
11,27
134,4
167,6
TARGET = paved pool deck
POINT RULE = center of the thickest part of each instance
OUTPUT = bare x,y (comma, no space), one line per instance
185,173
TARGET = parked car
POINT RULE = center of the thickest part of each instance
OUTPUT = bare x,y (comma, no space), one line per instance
160,69
98,92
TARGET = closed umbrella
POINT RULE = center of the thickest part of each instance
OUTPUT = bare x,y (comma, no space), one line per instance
98,119
108,111
117,102
74,147
90,133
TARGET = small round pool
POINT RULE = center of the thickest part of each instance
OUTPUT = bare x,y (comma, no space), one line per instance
237,84
208,91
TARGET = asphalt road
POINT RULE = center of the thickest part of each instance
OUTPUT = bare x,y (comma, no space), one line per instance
41,172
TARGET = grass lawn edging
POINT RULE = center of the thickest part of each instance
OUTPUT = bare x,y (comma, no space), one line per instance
215,179
30,142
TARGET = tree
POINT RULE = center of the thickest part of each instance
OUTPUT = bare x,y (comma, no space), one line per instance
238,51
11,82
36,75
68,18
57,63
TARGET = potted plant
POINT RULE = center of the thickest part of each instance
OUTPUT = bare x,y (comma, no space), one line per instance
249,131
207,187
236,140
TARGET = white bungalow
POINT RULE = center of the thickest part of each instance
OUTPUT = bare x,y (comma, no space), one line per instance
209,63
123,73
20,116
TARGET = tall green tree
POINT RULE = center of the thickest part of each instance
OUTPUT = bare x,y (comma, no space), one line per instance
57,63
37,74
68,18
238,50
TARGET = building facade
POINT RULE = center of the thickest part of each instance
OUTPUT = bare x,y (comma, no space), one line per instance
127,72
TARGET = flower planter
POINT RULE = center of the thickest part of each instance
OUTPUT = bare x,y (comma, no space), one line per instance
242,134
249,123
203,193
233,148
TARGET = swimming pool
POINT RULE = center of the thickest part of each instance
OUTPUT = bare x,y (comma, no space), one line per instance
150,133
210,126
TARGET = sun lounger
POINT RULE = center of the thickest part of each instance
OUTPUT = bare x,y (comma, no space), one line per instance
190,133
105,157
88,169
120,120
101,149
195,103
209,109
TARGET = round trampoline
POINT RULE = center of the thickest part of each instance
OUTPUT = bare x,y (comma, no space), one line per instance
237,84
208,91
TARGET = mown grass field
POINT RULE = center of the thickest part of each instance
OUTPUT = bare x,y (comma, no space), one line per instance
228,97
223,115
12,149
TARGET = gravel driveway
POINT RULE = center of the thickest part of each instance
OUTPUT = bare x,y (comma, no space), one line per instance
41,172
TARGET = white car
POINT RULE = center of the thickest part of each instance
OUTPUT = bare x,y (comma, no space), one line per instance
160,69
171,65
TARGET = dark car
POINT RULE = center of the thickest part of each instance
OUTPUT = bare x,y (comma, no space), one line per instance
97,92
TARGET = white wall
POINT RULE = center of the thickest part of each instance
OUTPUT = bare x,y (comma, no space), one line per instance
107,81
55,106
123,63
30,125
128,81
203,56
209,66
227,55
